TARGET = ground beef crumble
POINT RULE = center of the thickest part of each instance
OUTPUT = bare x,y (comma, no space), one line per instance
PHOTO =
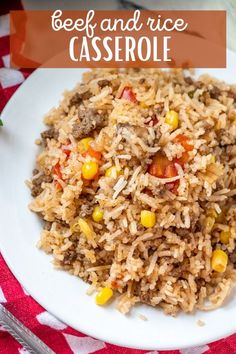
78,98
37,184
89,120
215,92
47,225
232,94
104,83
188,80
51,133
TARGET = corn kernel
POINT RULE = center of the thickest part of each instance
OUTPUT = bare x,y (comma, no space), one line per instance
85,228
84,144
225,236
209,223
172,119
104,296
212,212
97,214
89,169
143,105
148,218
113,172
219,261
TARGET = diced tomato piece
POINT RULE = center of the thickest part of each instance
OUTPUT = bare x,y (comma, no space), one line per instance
56,170
66,151
183,140
93,153
154,120
129,95
65,148
156,170
163,168
183,159
148,192
58,186
170,171
173,186
158,165
114,284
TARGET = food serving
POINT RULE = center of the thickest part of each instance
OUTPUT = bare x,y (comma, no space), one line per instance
136,183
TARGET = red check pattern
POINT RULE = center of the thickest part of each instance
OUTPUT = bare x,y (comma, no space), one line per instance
58,336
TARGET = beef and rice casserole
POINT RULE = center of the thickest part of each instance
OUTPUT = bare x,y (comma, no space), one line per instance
136,183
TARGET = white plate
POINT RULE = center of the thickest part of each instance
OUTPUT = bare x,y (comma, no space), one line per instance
62,294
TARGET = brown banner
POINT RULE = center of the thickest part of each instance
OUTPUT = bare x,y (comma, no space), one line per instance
70,39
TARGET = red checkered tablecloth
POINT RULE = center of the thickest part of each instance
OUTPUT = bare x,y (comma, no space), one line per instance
57,335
